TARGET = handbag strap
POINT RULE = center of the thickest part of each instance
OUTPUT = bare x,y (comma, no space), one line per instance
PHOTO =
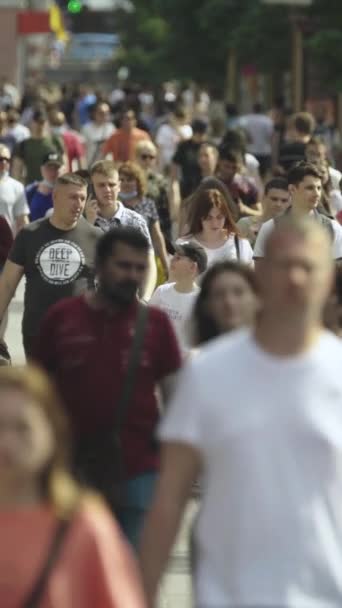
237,247
35,596
133,362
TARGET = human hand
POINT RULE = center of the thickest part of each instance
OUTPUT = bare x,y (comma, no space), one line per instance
91,210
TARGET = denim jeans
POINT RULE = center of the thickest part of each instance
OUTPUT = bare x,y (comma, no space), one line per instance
137,498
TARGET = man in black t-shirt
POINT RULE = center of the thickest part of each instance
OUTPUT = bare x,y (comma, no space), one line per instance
56,255
301,128
185,167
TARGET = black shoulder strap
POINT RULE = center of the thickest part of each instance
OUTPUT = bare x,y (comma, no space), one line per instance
133,362
36,594
237,246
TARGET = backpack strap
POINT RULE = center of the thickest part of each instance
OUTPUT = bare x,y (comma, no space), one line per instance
133,362
237,247
36,594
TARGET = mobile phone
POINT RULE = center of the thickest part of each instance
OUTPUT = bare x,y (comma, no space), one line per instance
91,192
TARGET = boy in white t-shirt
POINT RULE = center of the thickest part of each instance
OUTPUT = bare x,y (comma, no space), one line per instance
177,298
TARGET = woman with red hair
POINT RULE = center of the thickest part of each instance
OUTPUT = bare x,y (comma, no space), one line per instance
212,226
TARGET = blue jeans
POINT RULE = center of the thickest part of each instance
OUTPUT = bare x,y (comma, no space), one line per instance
137,497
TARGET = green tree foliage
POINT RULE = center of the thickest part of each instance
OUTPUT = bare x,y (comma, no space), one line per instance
325,40
191,39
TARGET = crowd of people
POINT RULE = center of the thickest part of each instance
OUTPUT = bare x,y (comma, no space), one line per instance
181,324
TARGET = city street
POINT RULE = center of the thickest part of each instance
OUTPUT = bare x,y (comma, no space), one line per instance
176,589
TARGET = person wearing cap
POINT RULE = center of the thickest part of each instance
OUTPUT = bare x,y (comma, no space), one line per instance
13,204
29,154
39,194
177,298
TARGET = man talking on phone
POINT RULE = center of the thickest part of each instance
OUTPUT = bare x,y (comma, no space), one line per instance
104,210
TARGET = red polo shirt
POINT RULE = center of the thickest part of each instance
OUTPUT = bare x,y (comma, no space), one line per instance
87,352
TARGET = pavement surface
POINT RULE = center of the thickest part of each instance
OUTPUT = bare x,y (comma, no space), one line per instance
175,590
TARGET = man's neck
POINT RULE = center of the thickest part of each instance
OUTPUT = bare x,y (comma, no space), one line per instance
109,211
266,215
298,210
286,336
60,224
185,285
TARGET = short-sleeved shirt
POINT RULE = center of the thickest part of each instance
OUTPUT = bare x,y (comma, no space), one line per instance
57,264
147,208
230,250
73,146
13,201
87,351
124,217
269,531
291,153
267,227
39,203
33,151
157,190
82,577
242,188
122,145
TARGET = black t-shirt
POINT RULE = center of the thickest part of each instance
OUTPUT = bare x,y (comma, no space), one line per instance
57,264
186,157
291,153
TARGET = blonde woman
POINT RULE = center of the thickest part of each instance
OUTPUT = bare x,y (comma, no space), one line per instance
59,547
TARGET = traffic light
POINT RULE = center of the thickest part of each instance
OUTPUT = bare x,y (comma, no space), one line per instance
74,6
70,6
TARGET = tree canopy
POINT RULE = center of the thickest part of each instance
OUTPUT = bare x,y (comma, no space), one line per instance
191,39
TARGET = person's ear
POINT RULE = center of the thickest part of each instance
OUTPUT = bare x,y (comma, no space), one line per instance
292,189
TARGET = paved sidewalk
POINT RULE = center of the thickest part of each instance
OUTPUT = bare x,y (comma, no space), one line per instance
176,587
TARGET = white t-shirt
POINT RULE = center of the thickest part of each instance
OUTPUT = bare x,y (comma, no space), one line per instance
267,227
227,251
95,135
13,202
178,307
167,139
259,128
335,176
269,430
335,201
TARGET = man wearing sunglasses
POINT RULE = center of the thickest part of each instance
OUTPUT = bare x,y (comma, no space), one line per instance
13,203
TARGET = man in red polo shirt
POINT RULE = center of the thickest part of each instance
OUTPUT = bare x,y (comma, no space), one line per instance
85,344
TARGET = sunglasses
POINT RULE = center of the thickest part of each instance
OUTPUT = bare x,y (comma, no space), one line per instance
4,159
147,156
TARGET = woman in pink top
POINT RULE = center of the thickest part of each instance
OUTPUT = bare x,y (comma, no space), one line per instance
59,547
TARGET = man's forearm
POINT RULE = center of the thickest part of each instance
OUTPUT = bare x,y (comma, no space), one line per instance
157,539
